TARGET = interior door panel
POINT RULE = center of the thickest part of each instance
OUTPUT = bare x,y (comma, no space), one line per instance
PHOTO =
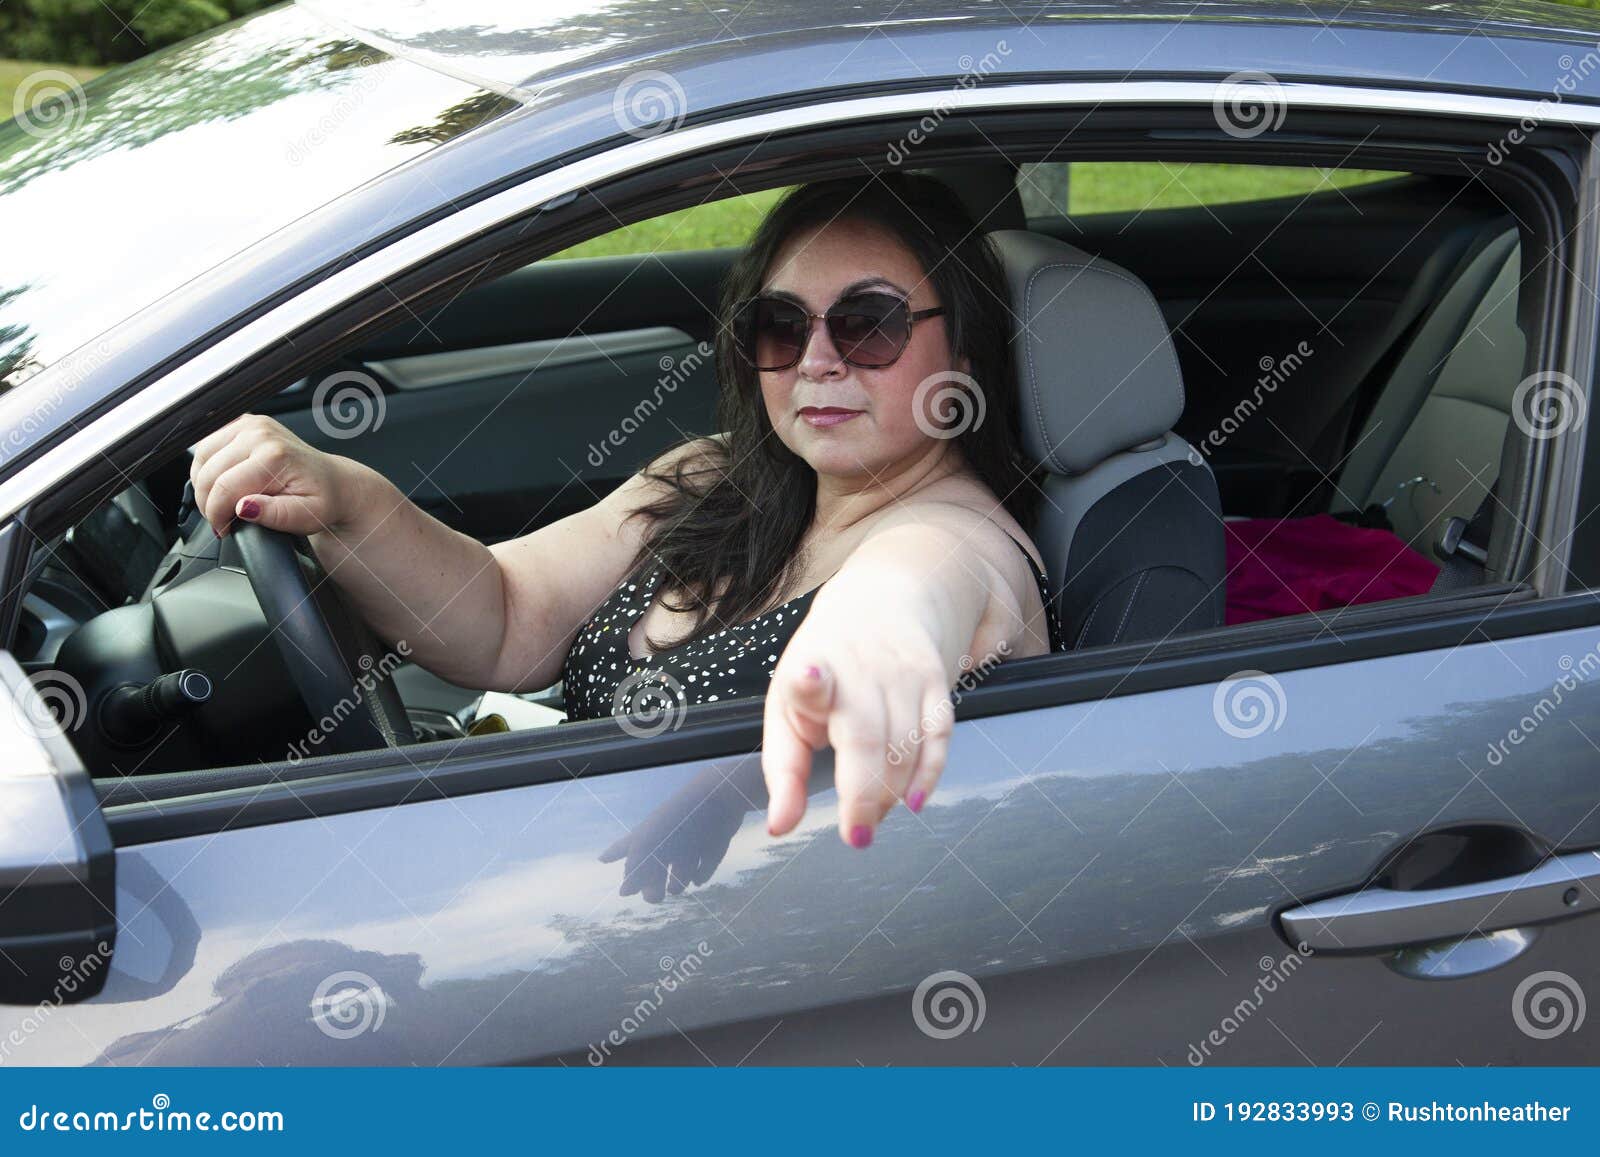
532,396
498,454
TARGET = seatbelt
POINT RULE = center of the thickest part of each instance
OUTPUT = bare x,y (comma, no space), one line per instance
1463,546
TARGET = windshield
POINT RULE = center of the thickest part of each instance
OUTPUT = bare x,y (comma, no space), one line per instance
115,194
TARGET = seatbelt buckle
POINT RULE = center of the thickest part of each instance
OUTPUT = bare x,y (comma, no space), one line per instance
1453,543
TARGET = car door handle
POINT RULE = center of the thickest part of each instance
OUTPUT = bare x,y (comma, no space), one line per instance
1377,920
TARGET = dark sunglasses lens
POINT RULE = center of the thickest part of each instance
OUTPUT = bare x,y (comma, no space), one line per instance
777,334
869,329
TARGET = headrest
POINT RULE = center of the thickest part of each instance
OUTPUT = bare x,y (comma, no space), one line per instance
989,191
1096,371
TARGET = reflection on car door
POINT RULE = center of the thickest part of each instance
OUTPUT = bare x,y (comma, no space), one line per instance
1096,882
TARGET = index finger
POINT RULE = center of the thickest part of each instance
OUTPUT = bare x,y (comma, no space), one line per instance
217,439
798,701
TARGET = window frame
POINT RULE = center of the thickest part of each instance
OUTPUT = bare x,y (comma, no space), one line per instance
326,784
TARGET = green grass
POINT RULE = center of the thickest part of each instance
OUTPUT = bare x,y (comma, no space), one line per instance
728,222
14,72
1095,187
1109,186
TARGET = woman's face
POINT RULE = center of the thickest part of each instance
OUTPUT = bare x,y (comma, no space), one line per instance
846,421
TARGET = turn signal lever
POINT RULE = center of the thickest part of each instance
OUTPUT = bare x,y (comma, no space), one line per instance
132,714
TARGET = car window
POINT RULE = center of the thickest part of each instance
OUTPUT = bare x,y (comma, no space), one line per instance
1073,188
530,396
714,225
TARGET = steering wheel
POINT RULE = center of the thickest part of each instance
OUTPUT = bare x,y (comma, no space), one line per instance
331,653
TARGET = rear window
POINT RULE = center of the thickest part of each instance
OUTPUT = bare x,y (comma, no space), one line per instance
114,194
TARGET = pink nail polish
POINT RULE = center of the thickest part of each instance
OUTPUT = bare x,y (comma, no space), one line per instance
813,672
860,836
916,801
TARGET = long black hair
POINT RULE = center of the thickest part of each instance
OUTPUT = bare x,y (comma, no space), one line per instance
730,527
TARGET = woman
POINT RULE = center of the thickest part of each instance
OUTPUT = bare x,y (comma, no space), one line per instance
850,545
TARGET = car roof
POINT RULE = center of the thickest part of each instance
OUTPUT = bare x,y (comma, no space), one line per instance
523,49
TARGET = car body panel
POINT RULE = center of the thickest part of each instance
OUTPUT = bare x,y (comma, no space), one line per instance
1120,879
207,148
526,49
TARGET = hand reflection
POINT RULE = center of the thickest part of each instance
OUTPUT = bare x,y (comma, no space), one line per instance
684,840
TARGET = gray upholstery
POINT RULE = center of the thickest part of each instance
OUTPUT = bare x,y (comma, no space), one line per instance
1130,527
1444,413
1097,368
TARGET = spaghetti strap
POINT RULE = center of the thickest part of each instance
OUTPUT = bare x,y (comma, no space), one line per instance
1052,620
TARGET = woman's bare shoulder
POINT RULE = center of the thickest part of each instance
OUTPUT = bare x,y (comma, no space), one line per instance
969,500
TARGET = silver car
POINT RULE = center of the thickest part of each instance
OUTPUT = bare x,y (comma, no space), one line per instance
235,830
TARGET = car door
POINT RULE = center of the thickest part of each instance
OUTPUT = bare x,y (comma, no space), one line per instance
1103,881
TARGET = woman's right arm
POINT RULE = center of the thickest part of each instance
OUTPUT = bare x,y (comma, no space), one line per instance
489,618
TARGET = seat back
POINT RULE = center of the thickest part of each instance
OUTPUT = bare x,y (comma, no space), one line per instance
1444,413
1130,526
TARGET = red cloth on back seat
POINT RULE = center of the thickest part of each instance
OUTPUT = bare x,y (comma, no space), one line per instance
1294,565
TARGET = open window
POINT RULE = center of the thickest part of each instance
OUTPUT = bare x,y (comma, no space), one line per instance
1357,319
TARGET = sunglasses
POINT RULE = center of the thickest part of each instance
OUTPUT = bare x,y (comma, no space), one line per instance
870,329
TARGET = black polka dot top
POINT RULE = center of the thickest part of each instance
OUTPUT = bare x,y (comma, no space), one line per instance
600,677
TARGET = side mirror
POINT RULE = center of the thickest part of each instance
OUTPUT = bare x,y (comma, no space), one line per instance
57,866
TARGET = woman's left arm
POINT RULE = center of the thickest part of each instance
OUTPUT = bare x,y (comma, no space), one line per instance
933,591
